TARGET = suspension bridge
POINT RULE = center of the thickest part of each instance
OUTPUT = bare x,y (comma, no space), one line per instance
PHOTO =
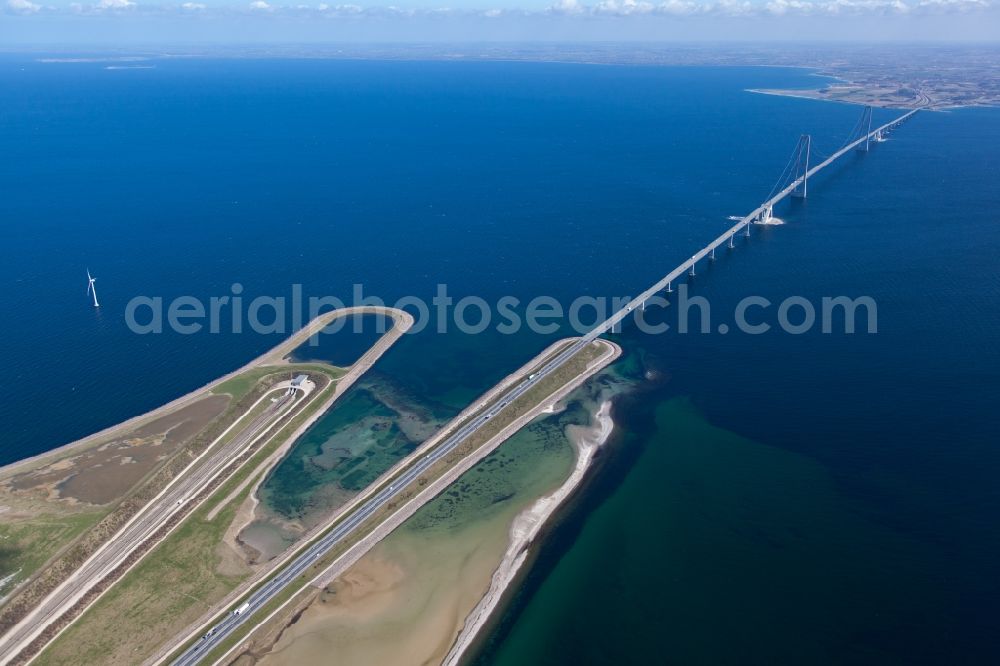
793,182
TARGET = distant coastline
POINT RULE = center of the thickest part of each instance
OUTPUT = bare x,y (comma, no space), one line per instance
901,77
819,96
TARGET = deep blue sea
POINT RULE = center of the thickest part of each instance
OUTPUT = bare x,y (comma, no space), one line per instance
849,480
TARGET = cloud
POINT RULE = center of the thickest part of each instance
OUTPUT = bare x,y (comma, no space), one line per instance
957,6
775,8
343,10
570,9
113,5
624,7
679,8
739,8
23,7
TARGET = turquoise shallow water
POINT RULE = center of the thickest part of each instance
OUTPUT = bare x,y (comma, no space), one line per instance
817,498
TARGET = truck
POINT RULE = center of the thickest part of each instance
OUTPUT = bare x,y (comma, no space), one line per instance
242,609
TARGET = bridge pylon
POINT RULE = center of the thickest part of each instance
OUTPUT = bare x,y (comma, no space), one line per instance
802,166
865,126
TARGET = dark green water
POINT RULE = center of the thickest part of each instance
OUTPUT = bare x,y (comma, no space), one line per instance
752,556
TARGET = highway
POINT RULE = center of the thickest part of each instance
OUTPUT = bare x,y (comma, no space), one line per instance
156,513
322,546
299,564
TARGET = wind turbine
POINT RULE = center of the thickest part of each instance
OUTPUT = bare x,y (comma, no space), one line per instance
91,289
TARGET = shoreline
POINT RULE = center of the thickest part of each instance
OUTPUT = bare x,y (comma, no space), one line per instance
353,553
280,350
812,94
526,528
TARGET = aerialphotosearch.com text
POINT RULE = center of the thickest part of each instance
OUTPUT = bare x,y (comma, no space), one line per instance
678,311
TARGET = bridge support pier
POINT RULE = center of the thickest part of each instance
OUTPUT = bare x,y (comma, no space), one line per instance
669,289
712,256
731,241
747,228
691,272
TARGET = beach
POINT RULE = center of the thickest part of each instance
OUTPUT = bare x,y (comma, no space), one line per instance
529,524
424,593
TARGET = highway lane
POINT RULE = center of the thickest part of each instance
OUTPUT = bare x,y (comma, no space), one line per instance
143,525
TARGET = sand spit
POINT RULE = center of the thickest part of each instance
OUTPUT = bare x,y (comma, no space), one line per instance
528,525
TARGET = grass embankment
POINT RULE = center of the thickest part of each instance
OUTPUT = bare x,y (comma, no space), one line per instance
302,593
25,546
239,385
184,575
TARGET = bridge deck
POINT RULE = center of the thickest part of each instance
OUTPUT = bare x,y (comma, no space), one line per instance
616,318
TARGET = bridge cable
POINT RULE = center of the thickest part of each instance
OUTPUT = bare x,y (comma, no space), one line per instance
784,178
787,176
857,131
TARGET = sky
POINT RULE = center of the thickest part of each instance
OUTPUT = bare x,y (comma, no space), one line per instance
129,22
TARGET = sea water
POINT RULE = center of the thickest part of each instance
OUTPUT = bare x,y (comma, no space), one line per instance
773,498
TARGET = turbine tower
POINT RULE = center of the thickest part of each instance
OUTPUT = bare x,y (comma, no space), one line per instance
91,289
